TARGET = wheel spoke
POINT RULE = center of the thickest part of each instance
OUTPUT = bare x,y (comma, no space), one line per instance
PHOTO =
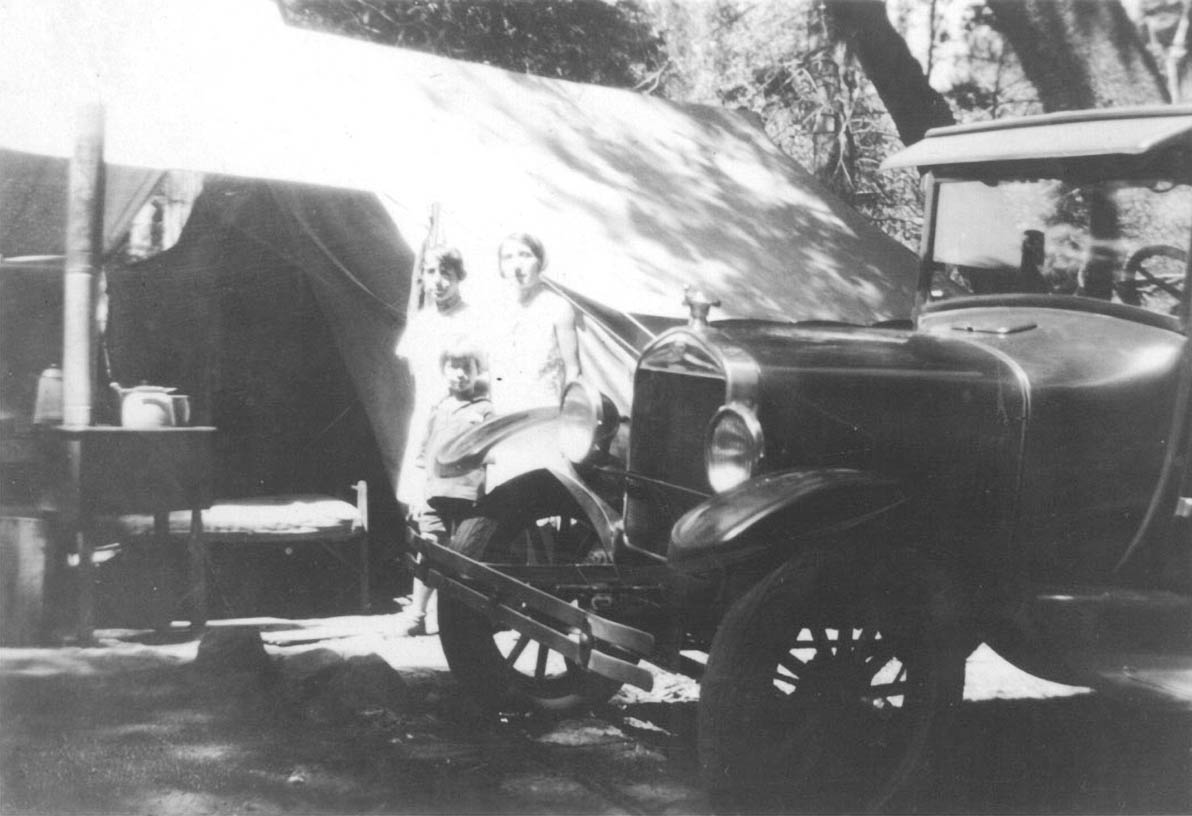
792,664
895,688
867,637
547,534
880,654
520,548
533,545
498,663
542,544
888,691
520,646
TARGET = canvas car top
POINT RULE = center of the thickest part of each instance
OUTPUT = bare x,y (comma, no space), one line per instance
1067,135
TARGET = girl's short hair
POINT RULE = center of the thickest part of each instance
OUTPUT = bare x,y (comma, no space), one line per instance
447,258
528,240
464,349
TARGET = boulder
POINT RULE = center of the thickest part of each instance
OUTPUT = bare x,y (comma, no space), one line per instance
233,650
367,681
323,685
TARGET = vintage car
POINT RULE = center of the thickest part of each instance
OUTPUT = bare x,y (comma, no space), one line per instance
822,520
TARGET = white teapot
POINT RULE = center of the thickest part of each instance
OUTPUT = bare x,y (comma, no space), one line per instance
151,406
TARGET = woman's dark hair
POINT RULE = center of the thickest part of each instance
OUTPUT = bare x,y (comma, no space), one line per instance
528,240
448,258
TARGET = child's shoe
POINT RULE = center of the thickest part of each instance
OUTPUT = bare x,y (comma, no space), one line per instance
410,624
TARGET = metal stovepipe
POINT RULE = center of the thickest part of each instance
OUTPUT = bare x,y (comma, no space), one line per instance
84,244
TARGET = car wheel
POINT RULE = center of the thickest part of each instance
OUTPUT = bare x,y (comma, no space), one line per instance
828,687
505,669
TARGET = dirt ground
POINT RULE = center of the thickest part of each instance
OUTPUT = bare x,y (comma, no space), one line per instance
353,721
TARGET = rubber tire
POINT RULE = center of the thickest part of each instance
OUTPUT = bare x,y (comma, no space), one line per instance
758,757
467,638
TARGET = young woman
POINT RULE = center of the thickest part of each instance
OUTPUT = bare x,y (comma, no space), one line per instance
538,351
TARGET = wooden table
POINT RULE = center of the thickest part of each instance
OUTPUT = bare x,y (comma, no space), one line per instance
103,470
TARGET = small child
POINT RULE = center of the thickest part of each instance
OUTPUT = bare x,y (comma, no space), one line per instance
447,498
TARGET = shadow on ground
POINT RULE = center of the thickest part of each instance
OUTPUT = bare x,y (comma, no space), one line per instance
1061,755
136,727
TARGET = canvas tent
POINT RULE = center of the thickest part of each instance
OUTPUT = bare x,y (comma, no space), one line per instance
635,197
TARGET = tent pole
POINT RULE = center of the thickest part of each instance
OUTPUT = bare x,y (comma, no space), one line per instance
84,230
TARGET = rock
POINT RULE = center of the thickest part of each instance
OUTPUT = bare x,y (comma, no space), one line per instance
324,686
233,650
367,681
302,666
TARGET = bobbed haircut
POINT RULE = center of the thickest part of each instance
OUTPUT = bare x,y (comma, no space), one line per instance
447,258
464,349
527,240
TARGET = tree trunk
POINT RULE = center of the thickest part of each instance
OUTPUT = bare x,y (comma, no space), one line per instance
1080,53
899,79
1166,25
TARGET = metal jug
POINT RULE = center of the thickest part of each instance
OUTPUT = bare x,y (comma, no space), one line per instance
47,409
146,406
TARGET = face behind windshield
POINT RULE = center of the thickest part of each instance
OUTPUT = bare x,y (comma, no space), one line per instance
1125,242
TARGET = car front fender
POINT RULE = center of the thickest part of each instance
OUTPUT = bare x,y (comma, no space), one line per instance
544,489
804,504
470,450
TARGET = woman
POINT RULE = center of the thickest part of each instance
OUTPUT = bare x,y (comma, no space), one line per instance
446,322
539,351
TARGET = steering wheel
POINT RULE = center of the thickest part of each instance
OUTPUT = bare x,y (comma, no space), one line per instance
1135,268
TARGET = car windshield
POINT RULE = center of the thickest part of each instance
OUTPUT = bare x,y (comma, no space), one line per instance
1116,241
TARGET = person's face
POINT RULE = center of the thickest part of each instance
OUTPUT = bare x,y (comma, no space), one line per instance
1065,257
460,374
441,283
520,265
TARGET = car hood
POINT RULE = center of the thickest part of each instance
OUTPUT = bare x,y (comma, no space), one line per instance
1024,423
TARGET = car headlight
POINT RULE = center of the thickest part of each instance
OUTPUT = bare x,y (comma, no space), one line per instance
587,421
734,447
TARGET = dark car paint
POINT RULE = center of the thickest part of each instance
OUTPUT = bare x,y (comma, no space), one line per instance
893,403
1099,421
1035,466
1037,443
843,499
960,413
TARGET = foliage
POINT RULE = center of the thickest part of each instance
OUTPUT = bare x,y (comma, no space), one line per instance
775,59
604,43
1080,54
976,70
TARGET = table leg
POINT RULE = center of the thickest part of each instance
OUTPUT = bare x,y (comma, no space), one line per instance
197,551
161,596
78,523
86,588
364,576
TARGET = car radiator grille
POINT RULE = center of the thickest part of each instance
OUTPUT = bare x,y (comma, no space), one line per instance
670,419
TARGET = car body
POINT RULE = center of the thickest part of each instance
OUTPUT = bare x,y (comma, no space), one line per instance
812,505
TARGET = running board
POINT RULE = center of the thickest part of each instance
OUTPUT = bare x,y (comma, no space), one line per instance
580,636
